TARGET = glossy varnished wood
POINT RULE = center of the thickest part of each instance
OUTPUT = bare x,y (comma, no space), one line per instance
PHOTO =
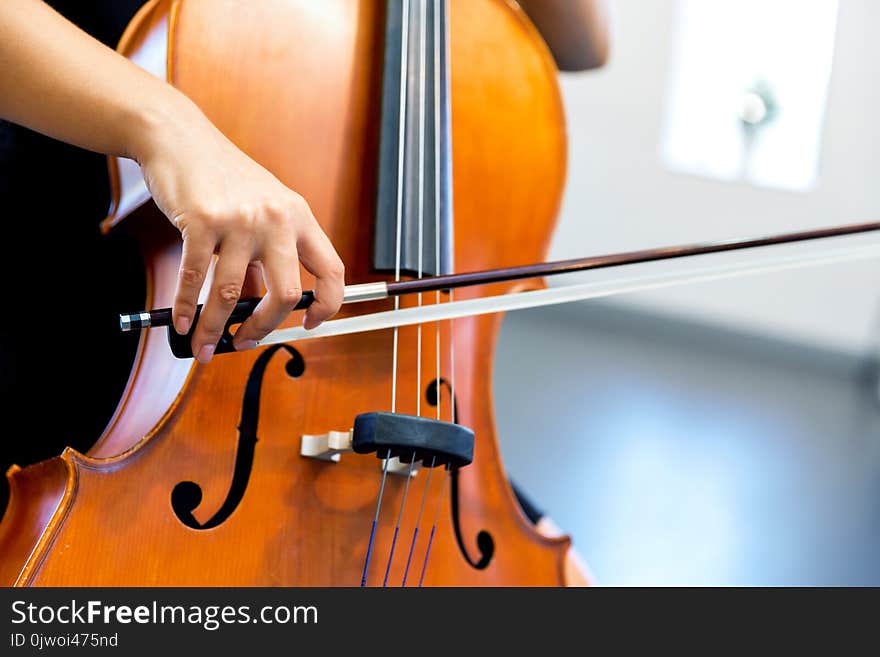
296,85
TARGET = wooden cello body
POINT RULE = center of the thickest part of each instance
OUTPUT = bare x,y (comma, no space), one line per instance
296,85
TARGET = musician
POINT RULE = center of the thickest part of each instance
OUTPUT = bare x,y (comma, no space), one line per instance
59,84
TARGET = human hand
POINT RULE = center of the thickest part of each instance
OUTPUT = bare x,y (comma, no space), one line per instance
224,203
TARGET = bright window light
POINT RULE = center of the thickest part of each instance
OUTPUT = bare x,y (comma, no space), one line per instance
748,89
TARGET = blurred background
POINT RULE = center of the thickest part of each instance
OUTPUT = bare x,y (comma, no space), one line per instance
728,432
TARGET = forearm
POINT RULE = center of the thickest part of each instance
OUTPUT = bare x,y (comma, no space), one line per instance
575,30
56,79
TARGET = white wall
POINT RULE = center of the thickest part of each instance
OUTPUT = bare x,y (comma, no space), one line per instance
621,197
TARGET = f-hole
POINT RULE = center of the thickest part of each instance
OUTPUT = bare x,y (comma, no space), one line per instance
187,495
485,542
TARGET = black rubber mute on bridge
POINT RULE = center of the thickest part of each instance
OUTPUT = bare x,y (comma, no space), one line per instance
409,436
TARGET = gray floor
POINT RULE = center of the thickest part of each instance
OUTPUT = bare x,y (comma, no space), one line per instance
677,454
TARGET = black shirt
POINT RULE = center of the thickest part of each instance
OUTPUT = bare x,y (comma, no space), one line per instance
63,361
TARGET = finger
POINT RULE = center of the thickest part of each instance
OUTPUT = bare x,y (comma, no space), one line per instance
321,259
229,273
253,281
194,263
284,289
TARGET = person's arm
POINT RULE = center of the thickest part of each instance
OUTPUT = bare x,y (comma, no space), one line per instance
56,79
575,30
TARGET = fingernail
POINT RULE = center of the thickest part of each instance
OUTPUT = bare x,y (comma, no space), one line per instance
245,345
183,324
206,353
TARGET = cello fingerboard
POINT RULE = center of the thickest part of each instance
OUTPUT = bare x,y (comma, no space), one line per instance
413,226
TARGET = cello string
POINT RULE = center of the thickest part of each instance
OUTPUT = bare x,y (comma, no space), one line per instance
435,7
401,160
446,63
436,172
446,475
409,476
375,519
434,527
452,361
401,153
412,545
437,225
420,209
423,9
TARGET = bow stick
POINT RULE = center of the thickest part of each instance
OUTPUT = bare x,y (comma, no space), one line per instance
558,295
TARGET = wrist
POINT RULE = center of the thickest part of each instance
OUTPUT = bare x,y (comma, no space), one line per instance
165,119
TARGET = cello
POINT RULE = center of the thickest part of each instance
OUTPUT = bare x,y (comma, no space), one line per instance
428,138
240,472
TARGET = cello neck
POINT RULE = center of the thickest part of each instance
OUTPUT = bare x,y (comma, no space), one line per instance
413,226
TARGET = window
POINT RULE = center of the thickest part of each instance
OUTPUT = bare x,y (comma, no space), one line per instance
748,87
